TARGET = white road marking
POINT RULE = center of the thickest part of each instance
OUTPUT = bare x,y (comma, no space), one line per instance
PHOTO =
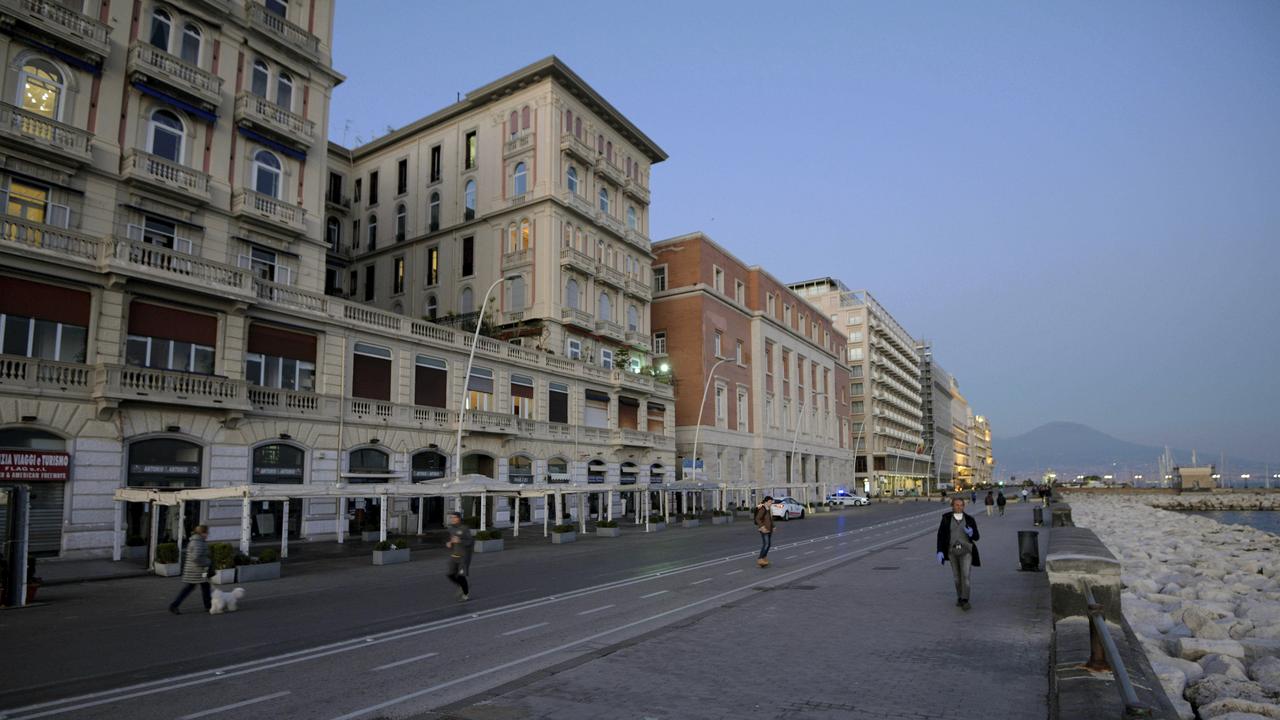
699,582
811,552
595,610
654,594
233,706
406,661
526,628
790,556
735,572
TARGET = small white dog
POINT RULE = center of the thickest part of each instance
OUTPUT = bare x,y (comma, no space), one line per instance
225,601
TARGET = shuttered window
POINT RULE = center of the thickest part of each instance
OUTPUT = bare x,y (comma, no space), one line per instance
480,389
558,403
371,372
657,417
430,382
522,396
628,412
596,411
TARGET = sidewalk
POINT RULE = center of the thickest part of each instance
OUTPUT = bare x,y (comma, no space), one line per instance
878,638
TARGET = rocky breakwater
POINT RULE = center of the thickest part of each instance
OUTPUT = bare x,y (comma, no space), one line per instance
1216,501
1204,599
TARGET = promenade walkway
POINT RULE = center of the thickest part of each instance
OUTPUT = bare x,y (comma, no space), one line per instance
877,638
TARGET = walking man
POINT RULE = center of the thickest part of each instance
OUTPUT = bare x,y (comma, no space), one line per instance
764,524
1001,501
990,502
196,569
1024,494
958,542
461,543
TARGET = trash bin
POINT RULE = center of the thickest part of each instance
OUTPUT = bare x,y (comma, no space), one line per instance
1029,550
1037,516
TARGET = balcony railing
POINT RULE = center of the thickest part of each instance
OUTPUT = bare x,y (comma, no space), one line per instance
610,222
35,375
40,132
517,258
609,276
140,165
290,295
637,288
47,240
579,203
610,329
160,263
518,144
277,401
639,340
633,188
577,260
266,115
275,212
482,421
576,147
150,63
634,380
123,382
608,169
637,238
632,438
282,30
66,26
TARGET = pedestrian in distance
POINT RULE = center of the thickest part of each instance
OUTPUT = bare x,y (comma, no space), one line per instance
1024,494
197,568
460,545
958,542
1001,501
990,502
764,524
973,496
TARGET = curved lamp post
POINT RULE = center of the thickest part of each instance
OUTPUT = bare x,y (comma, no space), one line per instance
471,356
697,430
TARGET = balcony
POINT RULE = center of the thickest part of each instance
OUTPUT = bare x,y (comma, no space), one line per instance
614,173
577,317
160,264
29,239
579,203
521,143
482,421
263,115
610,223
268,210
35,376
632,380
639,289
609,276
577,260
292,403
50,137
121,382
290,296
611,329
517,259
637,238
639,340
511,317
627,437
175,178
67,29
577,148
633,188
282,31
153,66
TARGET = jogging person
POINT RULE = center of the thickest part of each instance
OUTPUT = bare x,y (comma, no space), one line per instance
460,544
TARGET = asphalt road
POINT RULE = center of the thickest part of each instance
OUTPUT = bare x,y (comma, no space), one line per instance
357,641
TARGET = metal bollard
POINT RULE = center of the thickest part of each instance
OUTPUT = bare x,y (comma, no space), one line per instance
1037,516
1029,550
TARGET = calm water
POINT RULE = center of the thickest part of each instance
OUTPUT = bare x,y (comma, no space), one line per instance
1268,520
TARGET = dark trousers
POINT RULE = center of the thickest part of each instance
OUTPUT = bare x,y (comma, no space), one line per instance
458,576
766,542
206,594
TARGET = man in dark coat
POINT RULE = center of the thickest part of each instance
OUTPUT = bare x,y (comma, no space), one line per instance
958,542
461,544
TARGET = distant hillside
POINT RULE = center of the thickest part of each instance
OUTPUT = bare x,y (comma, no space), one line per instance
1074,449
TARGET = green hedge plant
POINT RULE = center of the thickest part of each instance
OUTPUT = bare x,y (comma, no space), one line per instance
488,535
563,528
607,524
223,556
167,553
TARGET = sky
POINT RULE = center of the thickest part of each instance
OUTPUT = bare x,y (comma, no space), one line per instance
1077,203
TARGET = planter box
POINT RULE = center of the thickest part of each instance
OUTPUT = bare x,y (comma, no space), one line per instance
562,538
168,569
720,519
134,552
488,546
390,557
747,514
371,536
224,577
608,532
691,523
657,527
261,571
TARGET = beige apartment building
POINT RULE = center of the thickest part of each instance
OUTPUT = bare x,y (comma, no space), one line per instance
165,325
758,373
885,388
960,441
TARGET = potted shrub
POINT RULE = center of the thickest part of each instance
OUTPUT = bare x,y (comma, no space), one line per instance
168,563
657,523
564,533
265,566
744,511
690,521
370,529
608,528
390,552
720,517
488,541
223,556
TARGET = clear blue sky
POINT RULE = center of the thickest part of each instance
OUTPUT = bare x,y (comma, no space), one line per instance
1079,203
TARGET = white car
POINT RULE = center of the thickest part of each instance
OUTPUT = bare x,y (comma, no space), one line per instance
787,508
847,500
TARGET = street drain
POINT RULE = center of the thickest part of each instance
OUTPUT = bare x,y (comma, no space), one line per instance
887,567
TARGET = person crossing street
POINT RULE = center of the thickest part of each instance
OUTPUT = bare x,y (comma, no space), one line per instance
764,524
460,544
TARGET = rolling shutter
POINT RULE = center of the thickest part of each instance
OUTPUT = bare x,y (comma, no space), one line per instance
166,322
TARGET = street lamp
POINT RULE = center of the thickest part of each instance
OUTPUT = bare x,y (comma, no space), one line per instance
471,356
697,430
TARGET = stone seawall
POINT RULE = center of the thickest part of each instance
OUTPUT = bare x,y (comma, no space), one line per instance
1203,597
1215,501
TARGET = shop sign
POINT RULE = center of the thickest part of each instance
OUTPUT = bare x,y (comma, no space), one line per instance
38,465
164,469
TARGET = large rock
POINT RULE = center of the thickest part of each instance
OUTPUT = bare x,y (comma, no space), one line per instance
1266,672
1241,716
1261,614
1191,671
1213,688
1196,648
1224,666
1219,708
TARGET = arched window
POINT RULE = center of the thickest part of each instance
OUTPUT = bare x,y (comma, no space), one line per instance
260,79
520,469
368,461
577,128
161,28
435,211
333,232
165,463
600,144
604,199
402,221
190,44
284,91
466,301
432,307
429,465
568,121
524,234
521,180
571,294
571,179
279,8
577,238
633,319
166,136
566,235
510,234
41,89
266,173
604,309
469,199
373,231
628,166
524,118
631,219
513,125
278,463
608,150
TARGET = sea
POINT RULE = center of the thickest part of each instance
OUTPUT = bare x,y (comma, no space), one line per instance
1265,520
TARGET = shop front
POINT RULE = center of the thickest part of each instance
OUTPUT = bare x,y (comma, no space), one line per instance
366,466
429,466
36,459
277,464
161,464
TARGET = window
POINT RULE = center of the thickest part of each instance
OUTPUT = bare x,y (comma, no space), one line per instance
513,123
259,79
279,372
166,136
855,336
604,200
737,352
660,279
855,389
370,372
577,128
435,163
190,50
631,218
722,406
854,319
284,91
373,188
606,358
770,304
716,343
279,8
786,314
568,121
571,179
466,300
47,339
468,257
31,202
430,381
402,177
633,319
571,294
352,281
515,294
600,144
660,343
856,407
165,354
266,173
522,396
739,292
356,197
557,402
433,266
397,276
524,235
469,200
333,233
471,150
161,28
480,390
369,277
855,371
434,211
41,87
855,353
717,279
401,222
595,412
373,232
742,410
604,308
573,349
520,180
334,192
608,150
524,118
355,234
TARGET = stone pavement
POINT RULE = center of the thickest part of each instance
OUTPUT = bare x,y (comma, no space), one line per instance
875,638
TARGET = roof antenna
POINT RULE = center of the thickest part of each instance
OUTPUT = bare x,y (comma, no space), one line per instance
458,96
